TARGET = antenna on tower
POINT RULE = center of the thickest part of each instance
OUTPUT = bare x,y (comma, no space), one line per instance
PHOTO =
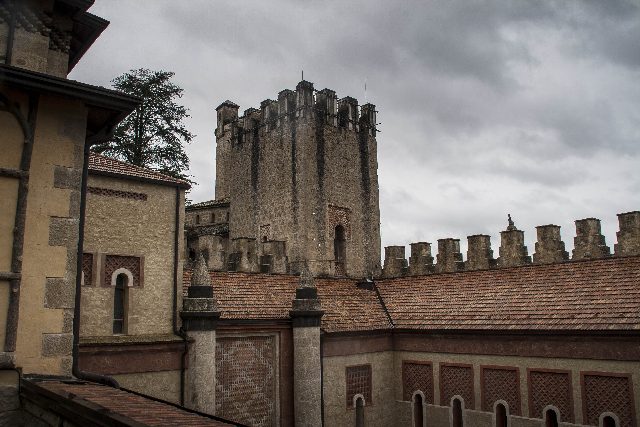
365,90
302,74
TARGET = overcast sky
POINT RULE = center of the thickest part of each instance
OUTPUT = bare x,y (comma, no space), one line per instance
487,108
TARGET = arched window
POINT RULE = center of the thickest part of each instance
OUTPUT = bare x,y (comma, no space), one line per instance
213,217
340,249
197,219
418,410
360,412
501,415
550,418
609,421
456,413
120,304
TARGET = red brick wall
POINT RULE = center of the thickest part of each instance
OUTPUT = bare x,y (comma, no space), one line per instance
456,380
246,379
417,376
500,383
602,392
550,388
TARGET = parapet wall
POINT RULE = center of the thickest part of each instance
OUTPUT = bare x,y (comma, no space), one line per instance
589,243
304,102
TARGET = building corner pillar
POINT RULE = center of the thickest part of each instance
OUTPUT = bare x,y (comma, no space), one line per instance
307,371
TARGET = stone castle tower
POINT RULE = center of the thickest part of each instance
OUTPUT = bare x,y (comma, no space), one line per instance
302,170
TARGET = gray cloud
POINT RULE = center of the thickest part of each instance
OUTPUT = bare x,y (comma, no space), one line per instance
487,108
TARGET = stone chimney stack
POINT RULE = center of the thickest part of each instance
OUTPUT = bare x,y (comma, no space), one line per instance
479,253
306,314
449,256
395,263
227,112
304,98
421,261
629,234
513,252
199,315
549,247
589,242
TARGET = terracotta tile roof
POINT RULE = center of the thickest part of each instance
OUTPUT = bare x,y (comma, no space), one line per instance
599,294
219,229
269,296
100,164
89,400
207,204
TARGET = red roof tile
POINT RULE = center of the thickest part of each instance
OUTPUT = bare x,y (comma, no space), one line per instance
601,294
269,296
108,400
101,164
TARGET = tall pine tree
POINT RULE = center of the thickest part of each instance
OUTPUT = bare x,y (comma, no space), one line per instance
154,134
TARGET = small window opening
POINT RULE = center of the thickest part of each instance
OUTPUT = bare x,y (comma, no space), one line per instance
120,305
359,412
213,217
501,415
197,219
266,264
550,418
233,261
418,408
609,421
192,254
227,216
340,249
456,410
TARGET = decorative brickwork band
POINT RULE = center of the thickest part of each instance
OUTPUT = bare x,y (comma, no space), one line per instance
456,380
246,372
602,392
117,193
417,376
115,262
550,388
340,216
358,380
500,383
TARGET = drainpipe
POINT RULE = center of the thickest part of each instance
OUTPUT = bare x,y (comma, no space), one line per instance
75,368
178,330
12,29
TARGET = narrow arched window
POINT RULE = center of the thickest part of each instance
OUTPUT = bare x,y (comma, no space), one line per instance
418,408
456,412
550,418
501,415
609,421
359,412
197,219
340,250
120,304
213,217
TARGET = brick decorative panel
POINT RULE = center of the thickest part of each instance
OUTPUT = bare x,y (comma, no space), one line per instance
246,380
550,388
265,231
456,380
417,376
87,268
607,393
340,216
117,193
359,382
114,262
500,384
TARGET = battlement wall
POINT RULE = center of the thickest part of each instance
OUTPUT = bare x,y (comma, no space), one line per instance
589,243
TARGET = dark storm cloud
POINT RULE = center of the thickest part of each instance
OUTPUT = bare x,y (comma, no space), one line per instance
487,107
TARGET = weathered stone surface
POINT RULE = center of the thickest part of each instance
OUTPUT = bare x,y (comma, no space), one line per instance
420,261
449,256
62,231
200,275
589,241
9,397
395,263
201,374
66,178
307,378
479,253
549,247
513,252
629,234
199,304
56,344
59,293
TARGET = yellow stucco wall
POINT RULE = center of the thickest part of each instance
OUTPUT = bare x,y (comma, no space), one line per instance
44,337
122,226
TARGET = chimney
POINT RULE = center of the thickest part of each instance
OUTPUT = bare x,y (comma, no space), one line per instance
513,252
395,264
589,242
549,247
479,253
304,98
421,261
449,256
629,234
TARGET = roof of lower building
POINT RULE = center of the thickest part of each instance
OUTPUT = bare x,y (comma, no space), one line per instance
103,165
87,403
588,295
208,204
